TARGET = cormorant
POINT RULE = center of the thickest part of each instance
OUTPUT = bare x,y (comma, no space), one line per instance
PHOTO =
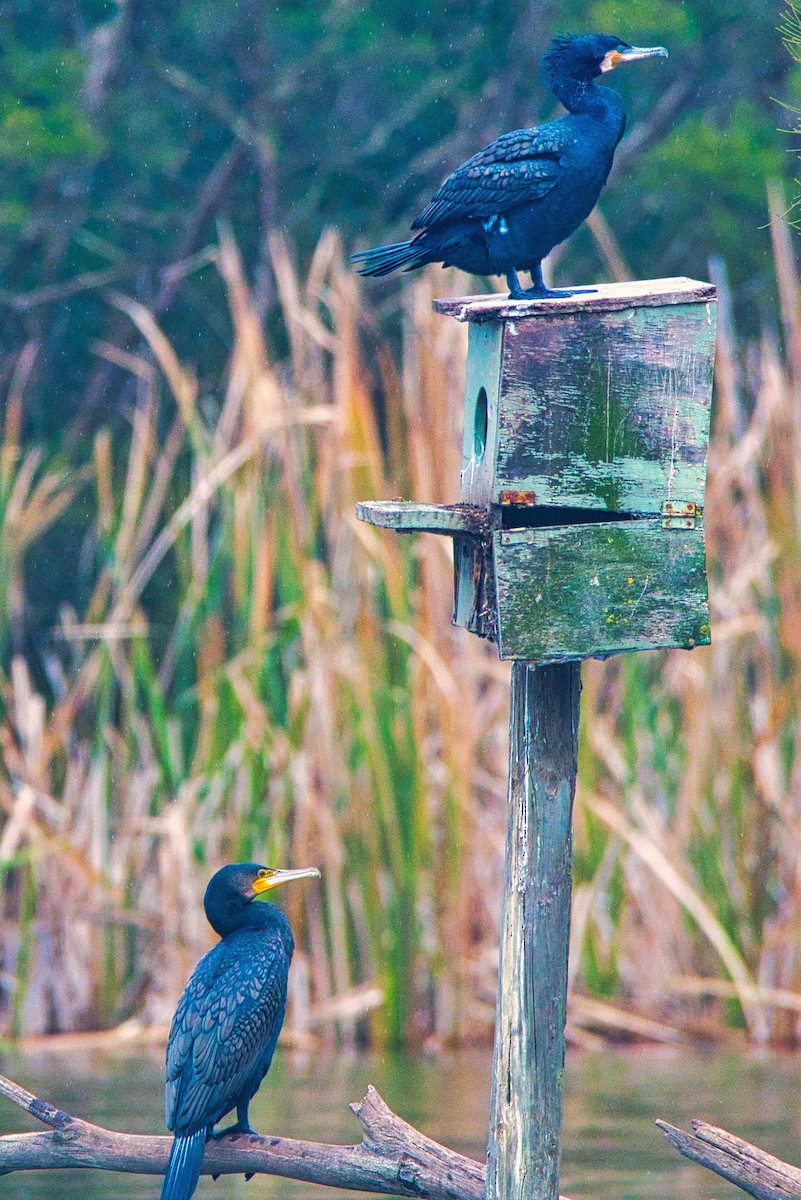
228,1019
508,206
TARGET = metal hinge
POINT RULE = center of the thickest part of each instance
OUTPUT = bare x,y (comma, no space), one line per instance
679,514
518,499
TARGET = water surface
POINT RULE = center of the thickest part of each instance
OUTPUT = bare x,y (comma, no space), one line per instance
611,1149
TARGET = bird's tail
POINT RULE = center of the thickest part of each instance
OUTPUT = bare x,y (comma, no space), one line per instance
183,1169
381,260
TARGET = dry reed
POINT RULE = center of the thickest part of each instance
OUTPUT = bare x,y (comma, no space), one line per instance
258,675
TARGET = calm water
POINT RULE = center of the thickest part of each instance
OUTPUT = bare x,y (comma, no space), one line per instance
611,1148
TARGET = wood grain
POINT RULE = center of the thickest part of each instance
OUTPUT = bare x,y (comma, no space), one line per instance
755,1171
580,590
605,297
406,517
475,605
523,1149
484,347
607,410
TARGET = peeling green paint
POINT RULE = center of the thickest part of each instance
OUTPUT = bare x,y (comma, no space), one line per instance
600,405
607,410
578,591
483,374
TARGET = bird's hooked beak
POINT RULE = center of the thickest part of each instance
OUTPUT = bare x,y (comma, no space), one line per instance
634,53
273,878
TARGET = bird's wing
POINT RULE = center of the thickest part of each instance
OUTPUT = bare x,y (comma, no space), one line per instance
518,166
226,1026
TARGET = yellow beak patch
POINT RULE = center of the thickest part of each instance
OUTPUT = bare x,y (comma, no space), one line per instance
610,60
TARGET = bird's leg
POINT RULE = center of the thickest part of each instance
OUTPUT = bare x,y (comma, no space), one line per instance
539,291
513,284
242,1117
242,1124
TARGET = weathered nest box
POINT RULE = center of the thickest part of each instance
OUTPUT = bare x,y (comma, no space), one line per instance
580,531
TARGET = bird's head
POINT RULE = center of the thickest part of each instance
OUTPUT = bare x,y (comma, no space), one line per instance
233,888
582,57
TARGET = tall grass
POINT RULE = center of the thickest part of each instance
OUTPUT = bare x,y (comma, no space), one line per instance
690,795
257,675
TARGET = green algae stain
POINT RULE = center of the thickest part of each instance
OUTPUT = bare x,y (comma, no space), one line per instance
598,589
607,410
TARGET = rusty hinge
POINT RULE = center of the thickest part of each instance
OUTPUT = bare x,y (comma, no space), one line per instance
679,514
518,498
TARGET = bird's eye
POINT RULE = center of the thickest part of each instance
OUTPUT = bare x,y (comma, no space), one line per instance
262,874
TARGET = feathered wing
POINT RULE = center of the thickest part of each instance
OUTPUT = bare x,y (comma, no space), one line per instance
516,167
223,1033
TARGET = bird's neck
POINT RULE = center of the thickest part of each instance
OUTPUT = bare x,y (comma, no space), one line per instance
258,915
583,96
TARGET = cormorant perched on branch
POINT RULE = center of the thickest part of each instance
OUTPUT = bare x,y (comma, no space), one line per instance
227,1022
508,206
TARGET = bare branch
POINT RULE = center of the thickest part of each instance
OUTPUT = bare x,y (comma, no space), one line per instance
393,1158
758,1173
37,1108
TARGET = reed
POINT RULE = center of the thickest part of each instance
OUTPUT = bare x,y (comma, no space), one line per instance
257,675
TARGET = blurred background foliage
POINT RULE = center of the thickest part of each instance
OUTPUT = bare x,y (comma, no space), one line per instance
127,130
203,656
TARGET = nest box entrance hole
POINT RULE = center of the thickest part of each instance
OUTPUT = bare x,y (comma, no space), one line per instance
480,425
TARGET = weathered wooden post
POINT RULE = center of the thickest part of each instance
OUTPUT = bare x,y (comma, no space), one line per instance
580,533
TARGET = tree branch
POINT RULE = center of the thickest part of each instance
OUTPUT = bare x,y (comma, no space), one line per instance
758,1173
392,1158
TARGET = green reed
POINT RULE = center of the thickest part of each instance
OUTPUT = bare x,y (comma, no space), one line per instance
257,675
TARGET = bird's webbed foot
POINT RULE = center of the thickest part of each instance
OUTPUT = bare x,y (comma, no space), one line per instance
539,290
236,1130
546,293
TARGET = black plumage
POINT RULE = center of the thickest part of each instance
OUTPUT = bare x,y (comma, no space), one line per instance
507,207
226,1026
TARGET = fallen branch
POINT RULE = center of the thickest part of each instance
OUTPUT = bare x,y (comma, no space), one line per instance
758,1173
393,1157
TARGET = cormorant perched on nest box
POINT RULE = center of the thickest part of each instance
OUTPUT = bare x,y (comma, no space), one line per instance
508,206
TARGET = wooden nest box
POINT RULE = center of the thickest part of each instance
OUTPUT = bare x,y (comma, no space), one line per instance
580,530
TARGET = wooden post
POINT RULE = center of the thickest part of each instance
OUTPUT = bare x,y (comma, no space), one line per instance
523,1149
580,533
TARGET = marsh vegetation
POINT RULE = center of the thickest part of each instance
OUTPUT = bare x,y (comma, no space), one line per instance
255,674
204,657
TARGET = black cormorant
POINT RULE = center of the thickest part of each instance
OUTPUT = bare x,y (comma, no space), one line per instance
227,1022
505,208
